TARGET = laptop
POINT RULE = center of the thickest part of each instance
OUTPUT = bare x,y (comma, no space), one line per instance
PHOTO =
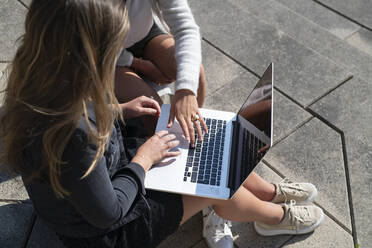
234,145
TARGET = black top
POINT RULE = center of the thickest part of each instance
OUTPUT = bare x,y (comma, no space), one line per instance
109,197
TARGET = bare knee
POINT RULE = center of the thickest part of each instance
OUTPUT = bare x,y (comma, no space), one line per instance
193,204
161,51
129,85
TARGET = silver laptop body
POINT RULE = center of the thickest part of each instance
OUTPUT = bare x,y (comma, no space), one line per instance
234,145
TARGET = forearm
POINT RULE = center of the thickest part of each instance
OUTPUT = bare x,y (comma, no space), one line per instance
100,200
178,16
103,203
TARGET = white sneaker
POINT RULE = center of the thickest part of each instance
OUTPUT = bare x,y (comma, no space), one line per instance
302,193
216,230
297,220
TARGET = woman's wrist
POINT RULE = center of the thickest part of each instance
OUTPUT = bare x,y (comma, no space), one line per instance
142,160
123,107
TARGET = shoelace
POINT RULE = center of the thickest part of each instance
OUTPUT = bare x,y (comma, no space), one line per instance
297,214
221,232
219,226
284,186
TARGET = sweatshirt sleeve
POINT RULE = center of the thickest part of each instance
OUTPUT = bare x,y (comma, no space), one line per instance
181,23
125,58
100,200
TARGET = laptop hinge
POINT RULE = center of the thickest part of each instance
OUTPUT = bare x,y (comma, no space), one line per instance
233,159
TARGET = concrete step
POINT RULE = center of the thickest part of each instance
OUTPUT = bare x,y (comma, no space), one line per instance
317,34
252,43
325,18
333,22
358,10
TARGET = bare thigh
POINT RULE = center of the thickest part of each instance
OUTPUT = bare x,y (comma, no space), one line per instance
160,50
244,206
128,85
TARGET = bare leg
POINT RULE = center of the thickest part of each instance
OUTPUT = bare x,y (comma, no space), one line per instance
160,50
244,206
128,85
259,187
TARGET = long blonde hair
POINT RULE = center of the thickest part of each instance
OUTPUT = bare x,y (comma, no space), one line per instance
66,58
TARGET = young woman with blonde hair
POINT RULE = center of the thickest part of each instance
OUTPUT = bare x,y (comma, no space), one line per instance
62,129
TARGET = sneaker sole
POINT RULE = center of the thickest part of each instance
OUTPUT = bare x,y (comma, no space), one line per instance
264,232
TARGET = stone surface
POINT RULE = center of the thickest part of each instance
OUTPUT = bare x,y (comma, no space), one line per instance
249,4
256,44
362,40
14,221
43,237
218,101
201,244
360,161
26,2
188,234
12,15
219,69
334,23
232,95
314,154
316,38
287,116
237,91
359,10
246,237
267,173
3,75
12,188
328,234
358,62
348,108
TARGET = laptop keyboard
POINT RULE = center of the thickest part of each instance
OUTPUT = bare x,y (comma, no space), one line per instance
251,144
204,162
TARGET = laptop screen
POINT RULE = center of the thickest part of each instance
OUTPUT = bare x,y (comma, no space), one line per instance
257,109
253,130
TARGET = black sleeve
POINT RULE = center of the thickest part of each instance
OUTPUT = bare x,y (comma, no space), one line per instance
100,200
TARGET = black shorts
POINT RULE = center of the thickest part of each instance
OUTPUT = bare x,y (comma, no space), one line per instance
147,231
137,48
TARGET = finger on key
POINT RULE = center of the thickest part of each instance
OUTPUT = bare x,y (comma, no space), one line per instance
202,122
190,125
198,129
185,129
